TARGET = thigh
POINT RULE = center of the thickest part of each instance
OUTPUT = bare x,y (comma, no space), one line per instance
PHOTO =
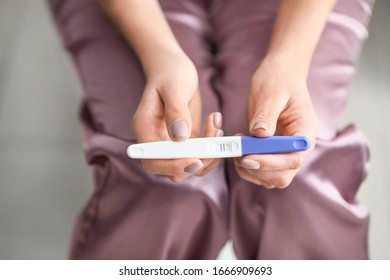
132,214
317,216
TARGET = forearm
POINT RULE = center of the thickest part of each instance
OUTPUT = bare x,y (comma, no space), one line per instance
144,26
297,30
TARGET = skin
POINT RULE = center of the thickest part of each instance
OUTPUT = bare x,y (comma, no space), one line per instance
279,101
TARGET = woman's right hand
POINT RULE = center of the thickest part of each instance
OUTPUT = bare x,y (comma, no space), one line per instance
170,109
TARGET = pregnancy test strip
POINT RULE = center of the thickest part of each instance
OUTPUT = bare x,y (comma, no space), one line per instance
219,147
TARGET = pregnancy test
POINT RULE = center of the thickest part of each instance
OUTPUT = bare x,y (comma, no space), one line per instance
218,147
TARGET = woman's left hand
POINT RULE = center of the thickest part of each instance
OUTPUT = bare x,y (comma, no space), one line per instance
279,104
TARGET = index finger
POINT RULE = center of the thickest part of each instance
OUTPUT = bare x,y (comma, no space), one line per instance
172,167
274,162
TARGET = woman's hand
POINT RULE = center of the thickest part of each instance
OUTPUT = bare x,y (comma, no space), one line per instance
170,109
279,104
279,101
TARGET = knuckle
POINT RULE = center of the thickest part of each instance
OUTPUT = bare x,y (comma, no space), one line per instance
268,186
269,164
195,133
176,166
147,166
264,115
297,162
176,179
174,109
283,181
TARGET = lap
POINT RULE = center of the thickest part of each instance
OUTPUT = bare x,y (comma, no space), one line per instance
113,83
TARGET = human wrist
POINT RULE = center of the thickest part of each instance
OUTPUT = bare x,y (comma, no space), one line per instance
297,30
157,61
287,62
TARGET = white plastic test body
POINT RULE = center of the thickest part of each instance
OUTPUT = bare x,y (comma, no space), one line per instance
218,147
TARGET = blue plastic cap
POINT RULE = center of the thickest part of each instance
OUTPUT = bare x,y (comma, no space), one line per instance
274,144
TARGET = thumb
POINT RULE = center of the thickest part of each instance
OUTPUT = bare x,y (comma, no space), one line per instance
178,120
265,115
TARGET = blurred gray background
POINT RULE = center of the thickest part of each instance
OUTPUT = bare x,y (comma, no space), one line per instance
44,181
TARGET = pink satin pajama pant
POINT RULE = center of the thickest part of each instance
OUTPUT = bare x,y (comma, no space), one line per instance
135,215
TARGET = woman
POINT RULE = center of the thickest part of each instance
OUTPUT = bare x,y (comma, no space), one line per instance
168,68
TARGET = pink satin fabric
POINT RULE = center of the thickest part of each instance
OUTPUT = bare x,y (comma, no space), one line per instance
134,215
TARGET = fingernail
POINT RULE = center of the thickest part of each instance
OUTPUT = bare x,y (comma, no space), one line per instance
179,130
218,133
260,125
217,120
193,167
250,164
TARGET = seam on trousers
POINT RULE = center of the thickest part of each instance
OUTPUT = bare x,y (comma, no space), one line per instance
90,215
